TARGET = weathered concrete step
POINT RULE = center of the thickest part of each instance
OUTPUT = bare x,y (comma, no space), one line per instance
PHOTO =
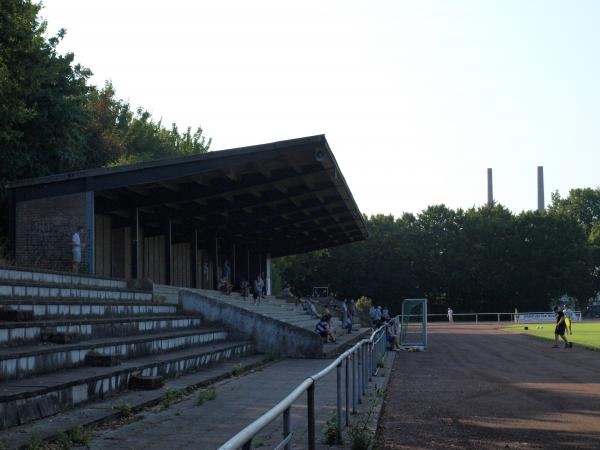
20,333
23,402
40,291
47,276
29,361
67,308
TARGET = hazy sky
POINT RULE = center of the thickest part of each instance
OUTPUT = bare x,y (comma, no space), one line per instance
416,98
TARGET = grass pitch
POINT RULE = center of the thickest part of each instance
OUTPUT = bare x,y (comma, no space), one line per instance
584,334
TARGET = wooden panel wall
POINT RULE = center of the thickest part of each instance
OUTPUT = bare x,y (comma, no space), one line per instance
182,254
103,246
154,259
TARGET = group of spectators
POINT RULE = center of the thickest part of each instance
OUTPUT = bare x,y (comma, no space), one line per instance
381,317
258,287
325,326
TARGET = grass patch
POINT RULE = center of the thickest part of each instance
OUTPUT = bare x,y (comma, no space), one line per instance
206,396
171,396
584,334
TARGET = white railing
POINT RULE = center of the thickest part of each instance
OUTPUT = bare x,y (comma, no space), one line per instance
361,363
522,317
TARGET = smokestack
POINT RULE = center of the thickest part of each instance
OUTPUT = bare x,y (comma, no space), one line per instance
540,188
490,201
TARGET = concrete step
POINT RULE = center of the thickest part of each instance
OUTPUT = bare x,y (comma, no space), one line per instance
29,361
28,333
10,273
43,396
32,290
79,307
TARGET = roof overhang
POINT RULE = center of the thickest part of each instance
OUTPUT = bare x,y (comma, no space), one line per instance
285,197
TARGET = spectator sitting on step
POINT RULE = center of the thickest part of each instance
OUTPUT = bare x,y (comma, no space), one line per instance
376,316
225,286
385,315
287,291
392,335
244,289
312,309
325,329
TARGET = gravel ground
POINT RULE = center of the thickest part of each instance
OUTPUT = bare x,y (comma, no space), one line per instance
478,387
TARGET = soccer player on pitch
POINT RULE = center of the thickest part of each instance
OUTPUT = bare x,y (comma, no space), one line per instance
560,329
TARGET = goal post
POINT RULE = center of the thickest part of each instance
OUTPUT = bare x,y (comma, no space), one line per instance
414,324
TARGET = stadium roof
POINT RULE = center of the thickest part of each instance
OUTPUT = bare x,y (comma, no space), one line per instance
285,197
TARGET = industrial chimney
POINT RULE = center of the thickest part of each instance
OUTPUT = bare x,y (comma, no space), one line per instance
540,188
490,201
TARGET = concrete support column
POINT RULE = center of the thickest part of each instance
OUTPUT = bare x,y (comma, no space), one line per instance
168,252
90,232
194,259
268,274
216,275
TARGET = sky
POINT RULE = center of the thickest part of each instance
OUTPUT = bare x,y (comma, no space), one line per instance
416,98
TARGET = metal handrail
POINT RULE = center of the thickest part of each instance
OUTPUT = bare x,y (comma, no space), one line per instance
364,354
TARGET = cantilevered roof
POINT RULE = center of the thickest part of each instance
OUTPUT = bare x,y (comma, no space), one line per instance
286,197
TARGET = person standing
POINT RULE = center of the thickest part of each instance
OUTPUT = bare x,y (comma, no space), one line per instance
76,247
346,320
560,328
450,315
226,271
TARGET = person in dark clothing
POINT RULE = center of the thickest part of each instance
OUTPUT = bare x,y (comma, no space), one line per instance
560,329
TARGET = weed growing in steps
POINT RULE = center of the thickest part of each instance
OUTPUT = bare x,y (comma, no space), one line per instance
171,396
75,435
125,410
206,395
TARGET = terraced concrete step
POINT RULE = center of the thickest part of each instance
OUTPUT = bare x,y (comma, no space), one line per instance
28,333
9,273
48,291
75,307
28,361
25,401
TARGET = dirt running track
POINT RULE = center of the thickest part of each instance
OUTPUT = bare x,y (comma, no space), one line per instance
481,388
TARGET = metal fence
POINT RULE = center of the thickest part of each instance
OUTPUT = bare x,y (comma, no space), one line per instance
523,317
355,366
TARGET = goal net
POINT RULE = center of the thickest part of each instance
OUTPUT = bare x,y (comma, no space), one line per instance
414,324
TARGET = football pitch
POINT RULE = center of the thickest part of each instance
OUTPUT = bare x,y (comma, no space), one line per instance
584,334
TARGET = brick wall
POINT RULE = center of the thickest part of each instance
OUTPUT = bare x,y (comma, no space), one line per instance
44,228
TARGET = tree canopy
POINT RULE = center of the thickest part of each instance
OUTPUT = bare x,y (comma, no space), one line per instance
478,260
53,120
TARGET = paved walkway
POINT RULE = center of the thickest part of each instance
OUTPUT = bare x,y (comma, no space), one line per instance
239,401
481,388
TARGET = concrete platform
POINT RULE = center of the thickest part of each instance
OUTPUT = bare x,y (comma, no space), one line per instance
27,361
28,333
23,401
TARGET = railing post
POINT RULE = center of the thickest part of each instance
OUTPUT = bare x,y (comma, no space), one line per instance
498,318
371,361
287,426
365,370
353,356
247,445
359,373
339,401
310,406
476,319
347,385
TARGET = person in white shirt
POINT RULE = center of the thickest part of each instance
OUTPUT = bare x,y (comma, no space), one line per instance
76,246
450,313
